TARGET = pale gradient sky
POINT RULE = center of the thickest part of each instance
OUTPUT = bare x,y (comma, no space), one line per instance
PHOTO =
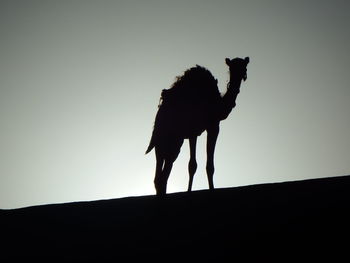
80,83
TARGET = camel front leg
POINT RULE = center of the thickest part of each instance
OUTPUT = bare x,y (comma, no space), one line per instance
212,135
192,165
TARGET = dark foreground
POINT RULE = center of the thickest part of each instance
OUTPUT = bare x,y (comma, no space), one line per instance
294,221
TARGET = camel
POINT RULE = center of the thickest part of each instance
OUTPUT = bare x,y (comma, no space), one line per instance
191,106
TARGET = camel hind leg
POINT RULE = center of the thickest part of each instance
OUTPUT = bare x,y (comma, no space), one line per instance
165,156
159,168
163,170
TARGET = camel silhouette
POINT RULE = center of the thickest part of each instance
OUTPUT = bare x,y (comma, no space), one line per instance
192,105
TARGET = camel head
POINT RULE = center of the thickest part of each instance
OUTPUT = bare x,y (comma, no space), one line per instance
238,66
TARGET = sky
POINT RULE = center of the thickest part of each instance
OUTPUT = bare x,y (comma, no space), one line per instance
80,83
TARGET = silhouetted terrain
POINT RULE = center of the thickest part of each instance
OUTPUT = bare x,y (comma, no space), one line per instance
303,220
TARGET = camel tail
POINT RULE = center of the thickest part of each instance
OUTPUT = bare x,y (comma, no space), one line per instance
150,146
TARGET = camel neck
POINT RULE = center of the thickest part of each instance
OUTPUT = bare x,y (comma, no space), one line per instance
232,91
229,99
235,82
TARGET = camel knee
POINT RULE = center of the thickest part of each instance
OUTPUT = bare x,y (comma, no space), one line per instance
192,167
210,169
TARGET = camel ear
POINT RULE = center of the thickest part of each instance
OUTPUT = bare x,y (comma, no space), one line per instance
227,60
246,60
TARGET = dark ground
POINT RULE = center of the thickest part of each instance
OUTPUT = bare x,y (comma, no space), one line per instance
294,221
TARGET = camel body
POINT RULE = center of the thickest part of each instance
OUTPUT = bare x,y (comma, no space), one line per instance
192,105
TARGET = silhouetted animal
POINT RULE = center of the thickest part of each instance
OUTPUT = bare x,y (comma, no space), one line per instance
192,105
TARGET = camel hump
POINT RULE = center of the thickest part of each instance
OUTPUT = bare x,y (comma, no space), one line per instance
196,84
